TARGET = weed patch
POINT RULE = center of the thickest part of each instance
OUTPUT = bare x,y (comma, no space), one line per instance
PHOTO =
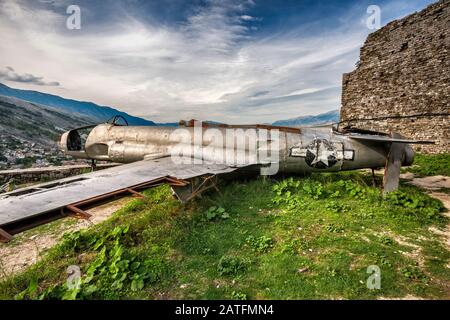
232,266
430,165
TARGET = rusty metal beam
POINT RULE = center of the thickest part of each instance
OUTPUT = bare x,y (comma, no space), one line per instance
176,182
148,184
78,212
206,184
135,193
5,236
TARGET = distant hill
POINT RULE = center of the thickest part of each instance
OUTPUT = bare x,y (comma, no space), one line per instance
320,119
168,124
35,123
85,109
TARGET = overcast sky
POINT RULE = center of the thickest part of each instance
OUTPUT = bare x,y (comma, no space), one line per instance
229,61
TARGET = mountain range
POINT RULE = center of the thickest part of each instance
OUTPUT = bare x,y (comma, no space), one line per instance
320,119
35,123
94,113
79,108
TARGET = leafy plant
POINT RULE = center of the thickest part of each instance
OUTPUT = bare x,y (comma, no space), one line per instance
229,265
261,244
216,212
353,189
286,192
313,189
335,194
415,204
386,240
414,273
30,291
112,269
332,272
331,227
238,295
381,259
291,247
336,207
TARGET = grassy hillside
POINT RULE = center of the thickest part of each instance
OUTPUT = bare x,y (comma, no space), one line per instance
35,123
293,238
85,109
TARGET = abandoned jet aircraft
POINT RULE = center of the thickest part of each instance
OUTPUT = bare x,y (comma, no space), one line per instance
190,157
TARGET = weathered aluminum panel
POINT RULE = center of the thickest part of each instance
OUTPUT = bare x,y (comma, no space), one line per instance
29,202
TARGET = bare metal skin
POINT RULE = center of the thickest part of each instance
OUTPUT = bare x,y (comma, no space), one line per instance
299,150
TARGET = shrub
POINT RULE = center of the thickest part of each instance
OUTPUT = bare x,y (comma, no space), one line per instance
230,266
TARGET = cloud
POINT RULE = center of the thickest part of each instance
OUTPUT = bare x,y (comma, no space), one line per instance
209,64
246,17
9,74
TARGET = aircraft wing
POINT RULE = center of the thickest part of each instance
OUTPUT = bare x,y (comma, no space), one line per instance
33,205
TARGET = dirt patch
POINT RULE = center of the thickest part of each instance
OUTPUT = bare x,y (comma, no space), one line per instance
445,199
407,176
432,183
415,255
28,249
416,252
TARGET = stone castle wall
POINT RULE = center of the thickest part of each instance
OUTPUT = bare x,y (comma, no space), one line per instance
404,74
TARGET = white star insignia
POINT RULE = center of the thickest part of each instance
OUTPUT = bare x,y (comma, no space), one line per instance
322,155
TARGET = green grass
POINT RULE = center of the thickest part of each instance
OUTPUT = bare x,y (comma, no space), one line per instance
430,165
294,238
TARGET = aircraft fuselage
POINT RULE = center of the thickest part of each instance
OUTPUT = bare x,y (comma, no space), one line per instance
295,149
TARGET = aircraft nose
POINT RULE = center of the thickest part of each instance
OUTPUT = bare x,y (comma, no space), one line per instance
409,156
63,141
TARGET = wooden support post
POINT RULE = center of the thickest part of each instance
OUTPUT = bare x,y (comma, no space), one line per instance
5,236
78,212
